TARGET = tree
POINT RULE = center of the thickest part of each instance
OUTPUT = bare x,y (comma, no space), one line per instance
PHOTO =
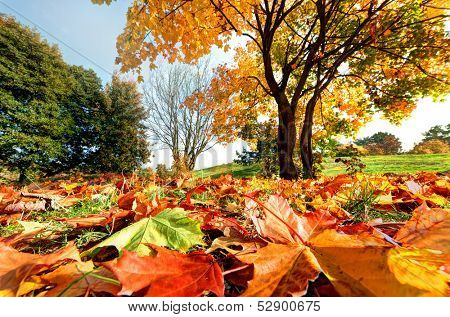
381,143
82,114
438,133
431,146
34,82
178,119
122,144
297,50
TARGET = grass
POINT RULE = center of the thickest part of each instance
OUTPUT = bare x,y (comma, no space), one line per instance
403,163
84,208
360,202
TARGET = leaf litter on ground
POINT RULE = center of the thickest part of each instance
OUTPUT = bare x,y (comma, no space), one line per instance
121,235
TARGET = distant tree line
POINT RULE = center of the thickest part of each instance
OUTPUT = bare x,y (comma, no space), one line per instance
262,140
56,117
436,140
381,143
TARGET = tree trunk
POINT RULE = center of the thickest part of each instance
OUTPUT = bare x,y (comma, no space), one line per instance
22,177
306,151
287,136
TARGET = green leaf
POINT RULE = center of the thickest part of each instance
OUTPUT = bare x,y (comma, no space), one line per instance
171,228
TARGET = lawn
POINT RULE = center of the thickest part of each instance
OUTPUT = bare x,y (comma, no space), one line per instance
404,163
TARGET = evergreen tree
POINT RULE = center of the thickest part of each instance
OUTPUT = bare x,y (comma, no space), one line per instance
82,110
438,133
34,81
122,141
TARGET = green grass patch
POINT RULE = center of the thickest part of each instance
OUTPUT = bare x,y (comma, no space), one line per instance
379,164
88,206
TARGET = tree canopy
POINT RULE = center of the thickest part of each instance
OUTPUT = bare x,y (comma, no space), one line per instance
34,80
122,141
438,132
300,54
55,117
381,143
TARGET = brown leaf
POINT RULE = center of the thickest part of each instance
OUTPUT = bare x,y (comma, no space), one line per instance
22,206
101,219
279,270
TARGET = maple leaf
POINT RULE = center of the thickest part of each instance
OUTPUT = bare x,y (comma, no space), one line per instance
171,228
30,230
101,219
427,270
358,261
16,266
196,190
279,269
278,222
212,219
427,228
365,265
78,279
23,206
169,273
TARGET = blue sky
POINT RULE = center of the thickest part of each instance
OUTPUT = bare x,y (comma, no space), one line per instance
92,30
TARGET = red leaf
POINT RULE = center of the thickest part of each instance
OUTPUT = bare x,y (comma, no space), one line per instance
168,274
196,190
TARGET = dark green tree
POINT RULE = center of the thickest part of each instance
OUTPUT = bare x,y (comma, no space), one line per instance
82,110
34,81
122,142
438,132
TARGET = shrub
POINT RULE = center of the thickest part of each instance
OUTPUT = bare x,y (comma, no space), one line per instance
162,171
352,164
346,150
431,146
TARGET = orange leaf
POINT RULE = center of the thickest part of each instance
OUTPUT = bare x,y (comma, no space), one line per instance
16,266
74,280
280,270
428,228
169,273
365,265
279,223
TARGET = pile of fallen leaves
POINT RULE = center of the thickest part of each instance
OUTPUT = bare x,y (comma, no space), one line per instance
134,236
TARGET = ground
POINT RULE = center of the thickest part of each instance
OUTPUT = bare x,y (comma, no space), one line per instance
113,234
404,163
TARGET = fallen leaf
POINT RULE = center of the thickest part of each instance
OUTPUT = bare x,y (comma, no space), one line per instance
16,266
168,274
171,228
277,221
79,279
23,206
280,270
364,265
428,228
